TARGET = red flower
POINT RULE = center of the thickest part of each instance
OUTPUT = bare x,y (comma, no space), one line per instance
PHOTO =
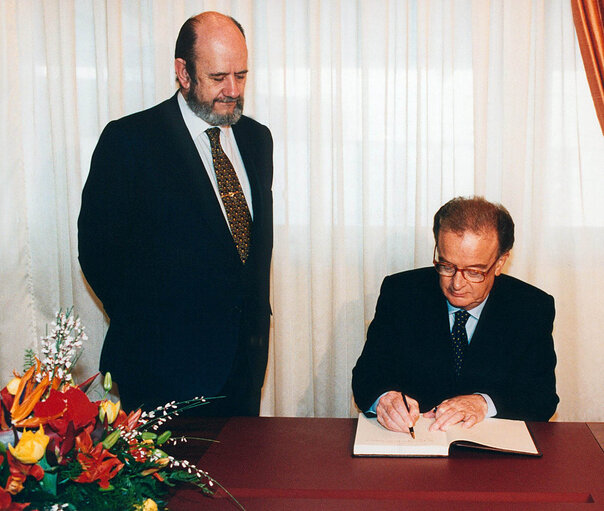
128,422
79,414
52,407
7,504
98,463
19,470
80,410
14,484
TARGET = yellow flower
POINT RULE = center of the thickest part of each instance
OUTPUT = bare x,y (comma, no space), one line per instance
148,505
110,410
13,385
31,446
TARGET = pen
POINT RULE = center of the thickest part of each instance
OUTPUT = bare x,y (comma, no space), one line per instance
407,407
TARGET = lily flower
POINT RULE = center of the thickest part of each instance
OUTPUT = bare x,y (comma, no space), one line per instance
98,463
108,409
31,447
7,504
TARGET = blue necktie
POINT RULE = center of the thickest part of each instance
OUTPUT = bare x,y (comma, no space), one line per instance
459,337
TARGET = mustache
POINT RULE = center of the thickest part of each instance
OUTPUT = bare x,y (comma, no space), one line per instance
227,100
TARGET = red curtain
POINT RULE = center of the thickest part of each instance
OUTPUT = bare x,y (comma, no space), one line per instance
588,16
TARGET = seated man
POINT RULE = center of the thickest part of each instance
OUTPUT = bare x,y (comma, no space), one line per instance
463,342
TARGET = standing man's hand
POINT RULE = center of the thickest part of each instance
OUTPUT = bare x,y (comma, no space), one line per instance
470,410
392,412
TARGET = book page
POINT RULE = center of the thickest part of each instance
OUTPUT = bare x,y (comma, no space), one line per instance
372,439
501,434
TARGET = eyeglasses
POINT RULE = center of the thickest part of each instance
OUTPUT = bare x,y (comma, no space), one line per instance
449,270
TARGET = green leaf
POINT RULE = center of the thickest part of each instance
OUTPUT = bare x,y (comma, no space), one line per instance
49,483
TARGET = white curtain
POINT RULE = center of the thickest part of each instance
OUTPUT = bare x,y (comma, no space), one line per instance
380,111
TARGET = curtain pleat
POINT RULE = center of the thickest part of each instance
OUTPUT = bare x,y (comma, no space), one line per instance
588,16
380,110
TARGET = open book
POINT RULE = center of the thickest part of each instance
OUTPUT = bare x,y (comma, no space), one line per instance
504,435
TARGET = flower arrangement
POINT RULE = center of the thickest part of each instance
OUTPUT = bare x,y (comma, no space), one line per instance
60,450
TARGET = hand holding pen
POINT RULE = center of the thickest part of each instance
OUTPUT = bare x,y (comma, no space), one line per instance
411,431
397,412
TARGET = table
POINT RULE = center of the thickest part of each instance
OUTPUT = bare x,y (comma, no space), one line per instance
597,428
306,464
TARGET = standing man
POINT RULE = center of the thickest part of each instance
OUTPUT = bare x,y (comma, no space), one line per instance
175,234
463,342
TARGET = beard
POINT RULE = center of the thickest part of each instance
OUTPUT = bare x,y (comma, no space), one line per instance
205,109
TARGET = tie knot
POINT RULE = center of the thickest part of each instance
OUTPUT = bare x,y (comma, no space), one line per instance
214,136
461,317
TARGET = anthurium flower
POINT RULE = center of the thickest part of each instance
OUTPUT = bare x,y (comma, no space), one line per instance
109,409
51,408
79,414
80,410
31,447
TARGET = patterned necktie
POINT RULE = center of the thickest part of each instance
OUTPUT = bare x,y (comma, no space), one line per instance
232,196
459,337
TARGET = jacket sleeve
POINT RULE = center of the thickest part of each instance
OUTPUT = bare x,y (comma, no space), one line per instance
530,393
105,237
375,371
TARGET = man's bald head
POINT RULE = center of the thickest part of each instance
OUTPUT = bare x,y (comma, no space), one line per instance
211,67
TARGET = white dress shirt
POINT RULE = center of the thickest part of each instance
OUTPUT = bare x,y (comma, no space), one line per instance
197,128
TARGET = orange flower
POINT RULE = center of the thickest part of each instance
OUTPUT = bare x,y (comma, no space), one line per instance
97,463
128,422
14,485
27,396
51,408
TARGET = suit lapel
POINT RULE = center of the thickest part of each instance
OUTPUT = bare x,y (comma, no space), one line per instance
246,150
438,331
491,325
189,169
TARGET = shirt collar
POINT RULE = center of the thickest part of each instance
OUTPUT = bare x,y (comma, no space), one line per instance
196,125
475,312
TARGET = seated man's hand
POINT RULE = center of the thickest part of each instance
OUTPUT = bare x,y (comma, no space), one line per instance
392,412
469,409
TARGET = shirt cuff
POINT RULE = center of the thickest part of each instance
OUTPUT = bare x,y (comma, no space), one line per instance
373,407
491,409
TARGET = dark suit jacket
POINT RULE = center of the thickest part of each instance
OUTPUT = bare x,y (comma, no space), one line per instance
510,357
156,249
